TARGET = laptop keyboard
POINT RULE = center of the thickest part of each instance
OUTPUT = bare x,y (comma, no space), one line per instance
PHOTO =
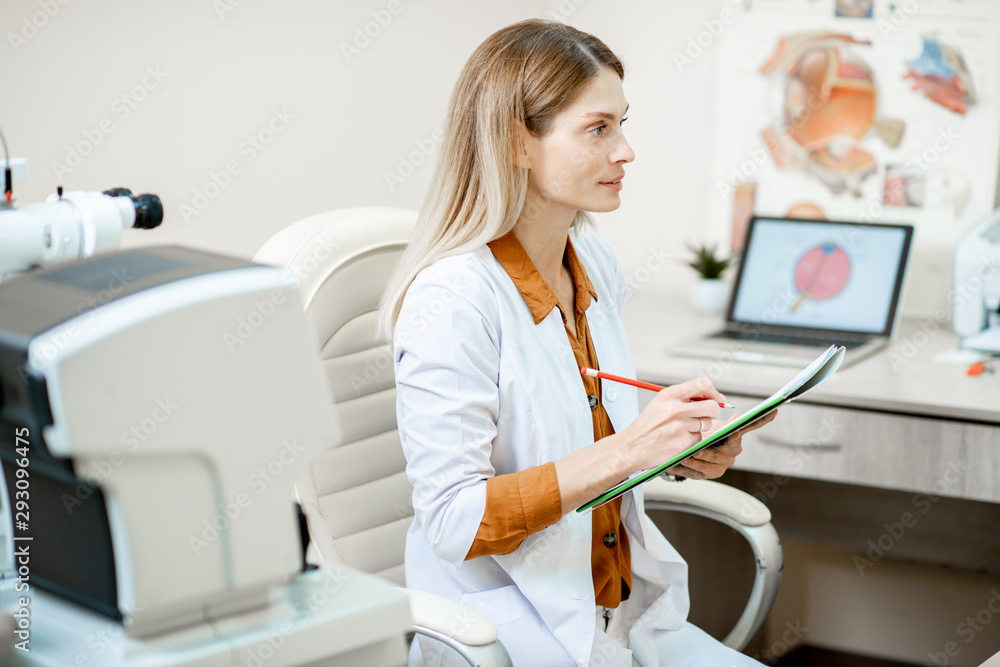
811,341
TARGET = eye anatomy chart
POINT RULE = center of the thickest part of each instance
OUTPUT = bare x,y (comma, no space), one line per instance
859,110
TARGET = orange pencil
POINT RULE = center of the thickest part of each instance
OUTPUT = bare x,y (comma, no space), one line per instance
594,373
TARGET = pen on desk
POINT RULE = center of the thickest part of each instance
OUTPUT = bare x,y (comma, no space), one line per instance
978,369
594,373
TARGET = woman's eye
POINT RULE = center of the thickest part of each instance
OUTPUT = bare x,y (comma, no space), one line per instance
598,131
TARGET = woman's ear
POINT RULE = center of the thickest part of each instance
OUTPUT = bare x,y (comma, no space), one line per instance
523,146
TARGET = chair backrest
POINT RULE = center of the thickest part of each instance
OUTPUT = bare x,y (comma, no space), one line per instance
356,499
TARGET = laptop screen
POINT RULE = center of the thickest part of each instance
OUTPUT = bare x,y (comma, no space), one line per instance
820,274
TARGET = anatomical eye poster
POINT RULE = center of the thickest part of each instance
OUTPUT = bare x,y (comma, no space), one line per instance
862,110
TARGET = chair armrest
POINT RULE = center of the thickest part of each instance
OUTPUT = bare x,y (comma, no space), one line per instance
462,628
714,497
451,618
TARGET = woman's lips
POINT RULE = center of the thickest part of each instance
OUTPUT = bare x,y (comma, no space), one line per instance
615,185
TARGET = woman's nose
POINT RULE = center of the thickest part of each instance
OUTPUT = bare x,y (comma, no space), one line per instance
623,152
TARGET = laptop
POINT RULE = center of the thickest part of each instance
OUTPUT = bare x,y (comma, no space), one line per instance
803,285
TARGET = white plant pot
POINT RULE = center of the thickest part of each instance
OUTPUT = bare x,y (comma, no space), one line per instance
709,296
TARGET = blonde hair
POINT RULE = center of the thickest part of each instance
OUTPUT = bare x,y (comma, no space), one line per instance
521,76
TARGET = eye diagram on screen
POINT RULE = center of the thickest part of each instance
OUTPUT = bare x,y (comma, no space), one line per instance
822,272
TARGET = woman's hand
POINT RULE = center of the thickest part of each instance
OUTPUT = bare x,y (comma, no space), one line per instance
672,422
711,462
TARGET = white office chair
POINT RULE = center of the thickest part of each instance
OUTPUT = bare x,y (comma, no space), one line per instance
357,500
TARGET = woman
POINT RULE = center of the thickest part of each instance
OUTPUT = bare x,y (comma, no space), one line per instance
498,301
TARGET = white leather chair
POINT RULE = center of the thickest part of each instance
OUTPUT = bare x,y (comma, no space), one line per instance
357,499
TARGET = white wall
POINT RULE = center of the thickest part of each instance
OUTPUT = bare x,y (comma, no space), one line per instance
665,198
353,119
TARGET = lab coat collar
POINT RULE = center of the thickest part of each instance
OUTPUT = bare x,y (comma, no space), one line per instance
533,288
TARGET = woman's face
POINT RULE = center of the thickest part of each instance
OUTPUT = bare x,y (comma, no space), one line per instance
579,164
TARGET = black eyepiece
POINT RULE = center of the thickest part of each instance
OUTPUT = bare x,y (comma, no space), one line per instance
148,208
148,211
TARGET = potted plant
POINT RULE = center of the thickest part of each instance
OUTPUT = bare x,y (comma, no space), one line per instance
709,294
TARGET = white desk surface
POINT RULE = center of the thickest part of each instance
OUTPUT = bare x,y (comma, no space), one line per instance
333,616
903,378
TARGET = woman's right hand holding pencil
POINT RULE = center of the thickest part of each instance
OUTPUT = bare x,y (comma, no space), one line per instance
678,417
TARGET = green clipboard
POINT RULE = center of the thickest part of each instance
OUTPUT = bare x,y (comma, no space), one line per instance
821,368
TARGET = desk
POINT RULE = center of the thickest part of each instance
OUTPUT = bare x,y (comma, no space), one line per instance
334,616
894,439
896,420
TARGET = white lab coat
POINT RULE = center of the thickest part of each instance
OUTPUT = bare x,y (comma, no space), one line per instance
481,391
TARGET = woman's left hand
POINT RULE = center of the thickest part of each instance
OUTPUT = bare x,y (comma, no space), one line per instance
712,462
